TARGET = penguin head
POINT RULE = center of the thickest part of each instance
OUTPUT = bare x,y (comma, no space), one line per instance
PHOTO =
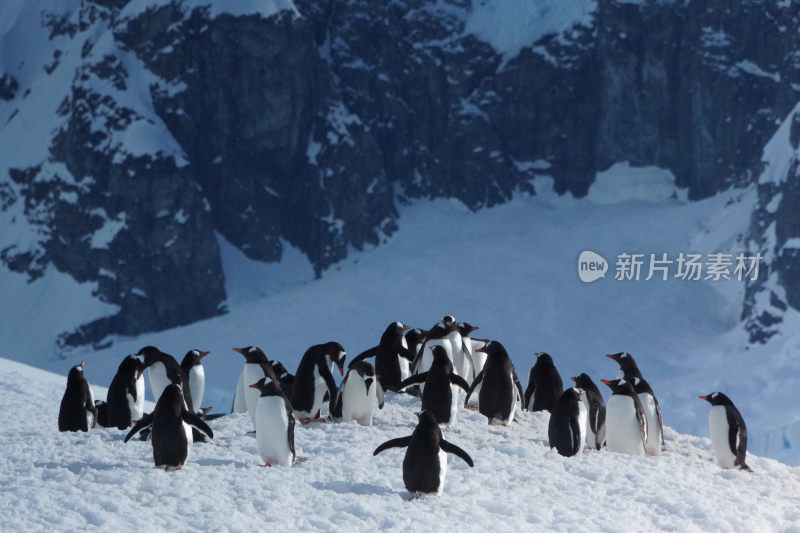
278,368
132,363
252,354
76,373
543,359
716,398
337,354
619,386
582,380
465,328
493,349
427,419
573,394
171,400
261,385
438,352
398,328
151,354
415,336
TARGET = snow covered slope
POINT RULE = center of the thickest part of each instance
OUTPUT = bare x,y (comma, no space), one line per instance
55,481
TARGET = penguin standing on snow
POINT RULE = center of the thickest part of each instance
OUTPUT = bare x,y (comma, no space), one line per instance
500,387
392,356
163,370
596,411
652,411
440,397
274,424
467,370
414,339
171,432
192,367
125,399
626,423
358,395
255,368
313,379
438,334
425,462
77,404
728,432
544,385
566,430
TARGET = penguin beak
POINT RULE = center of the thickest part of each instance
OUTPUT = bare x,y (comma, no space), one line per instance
139,374
340,364
240,350
406,328
83,363
572,378
474,328
606,381
703,397
254,386
581,391
537,355
454,328
610,356
203,354
481,349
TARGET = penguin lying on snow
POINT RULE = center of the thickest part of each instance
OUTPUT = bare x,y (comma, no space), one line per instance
77,404
544,385
440,396
171,432
392,357
596,411
125,399
566,430
425,462
358,395
313,379
274,424
728,432
500,387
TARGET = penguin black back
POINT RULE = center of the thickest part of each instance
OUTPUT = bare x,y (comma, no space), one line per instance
728,432
566,427
437,398
123,385
316,363
597,408
544,384
77,403
498,379
386,355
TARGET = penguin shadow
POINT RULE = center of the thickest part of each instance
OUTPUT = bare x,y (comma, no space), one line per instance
207,461
76,467
346,487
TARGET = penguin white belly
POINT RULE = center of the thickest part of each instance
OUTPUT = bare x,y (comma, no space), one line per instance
583,423
320,388
623,434
454,397
197,385
252,373
478,358
137,406
456,353
718,429
405,368
427,356
357,403
591,438
442,470
157,375
272,424
468,372
89,416
239,398
188,430
653,430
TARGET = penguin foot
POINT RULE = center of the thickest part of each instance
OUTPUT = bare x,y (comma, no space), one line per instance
307,421
267,465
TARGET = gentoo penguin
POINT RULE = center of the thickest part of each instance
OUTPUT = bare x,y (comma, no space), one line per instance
77,404
125,399
478,360
626,423
544,385
652,411
440,397
627,366
274,424
162,370
566,430
467,370
358,395
414,339
313,379
425,462
192,366
596,411
392,357
728,432
171,431
500,387
255,368
438,334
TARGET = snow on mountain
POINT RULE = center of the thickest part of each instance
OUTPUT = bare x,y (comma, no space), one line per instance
75,481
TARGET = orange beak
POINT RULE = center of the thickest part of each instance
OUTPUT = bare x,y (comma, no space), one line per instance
703,397
240,350
606,381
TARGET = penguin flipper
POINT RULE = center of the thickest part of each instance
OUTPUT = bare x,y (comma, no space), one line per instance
449,447
406,353
418,357
336,401
518,385
416,378
737,435
400,442
366,354
467,354
472,387
658,418
379,393
457,380
529,391
575,431
325,372
642,421
145,422
194,420
290,429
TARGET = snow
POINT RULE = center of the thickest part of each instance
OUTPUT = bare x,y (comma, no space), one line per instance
511,25
108,231
239,8
624,183
778,152
74,481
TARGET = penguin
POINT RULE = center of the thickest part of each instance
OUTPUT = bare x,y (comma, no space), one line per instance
392,357
500,386
192,366
566,430
255,368
440,334
240,396
626,423
239,404
313,379
414,339
655,428
125,398
728,432
596,410
544,385
163,370
627,366
274,424
478,360
285,379
171,426
358,395
77,404
425,462
467,370
440,396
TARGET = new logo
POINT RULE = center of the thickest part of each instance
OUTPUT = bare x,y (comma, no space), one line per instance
591,266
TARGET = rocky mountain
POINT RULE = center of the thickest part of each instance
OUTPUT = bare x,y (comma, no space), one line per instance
136,133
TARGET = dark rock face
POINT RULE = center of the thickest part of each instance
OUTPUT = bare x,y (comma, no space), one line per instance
305,127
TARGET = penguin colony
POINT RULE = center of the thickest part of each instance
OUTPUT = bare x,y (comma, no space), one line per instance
444,366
